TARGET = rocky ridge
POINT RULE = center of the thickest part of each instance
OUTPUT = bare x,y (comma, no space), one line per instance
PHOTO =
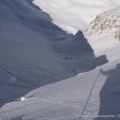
104,23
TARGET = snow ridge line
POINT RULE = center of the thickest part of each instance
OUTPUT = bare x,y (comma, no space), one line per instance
89,96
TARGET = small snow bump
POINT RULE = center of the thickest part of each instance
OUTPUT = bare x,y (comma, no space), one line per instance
22,99
13,79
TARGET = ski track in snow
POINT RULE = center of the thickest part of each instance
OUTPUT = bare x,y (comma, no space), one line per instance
45,72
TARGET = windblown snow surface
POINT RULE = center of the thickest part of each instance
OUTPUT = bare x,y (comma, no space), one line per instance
72,15
46,73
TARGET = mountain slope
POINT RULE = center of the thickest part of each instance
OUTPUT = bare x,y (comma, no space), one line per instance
48,74
104,22
25,34
103,33
32,51
78,13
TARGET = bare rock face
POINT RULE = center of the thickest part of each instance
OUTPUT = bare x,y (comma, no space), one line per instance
104,23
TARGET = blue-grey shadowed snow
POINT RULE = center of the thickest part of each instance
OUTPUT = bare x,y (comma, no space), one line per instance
78,47
22,14
21,81
110,95
33,5
18,118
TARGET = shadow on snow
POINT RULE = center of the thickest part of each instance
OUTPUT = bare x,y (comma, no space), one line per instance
110,95
77,46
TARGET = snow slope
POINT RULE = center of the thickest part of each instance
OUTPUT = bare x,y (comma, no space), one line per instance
104,22
72,15
24,35
48,74
103,33
70,100
30,52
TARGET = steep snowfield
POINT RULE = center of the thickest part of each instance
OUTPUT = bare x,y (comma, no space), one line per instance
104,22
48,74
72,15
30,53
104,33
72,99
